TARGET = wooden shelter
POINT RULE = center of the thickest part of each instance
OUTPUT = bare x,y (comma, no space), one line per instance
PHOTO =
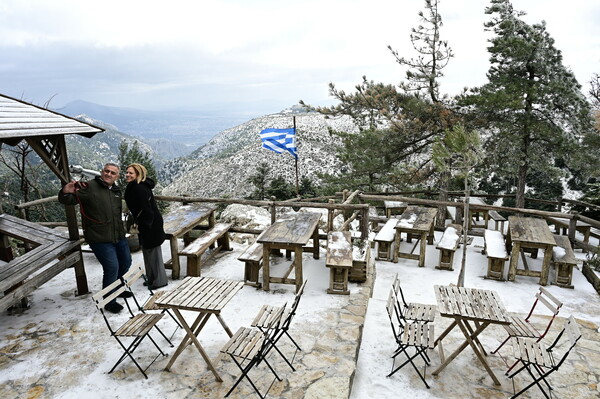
44,131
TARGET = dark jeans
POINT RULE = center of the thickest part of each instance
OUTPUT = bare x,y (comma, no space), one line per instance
114,258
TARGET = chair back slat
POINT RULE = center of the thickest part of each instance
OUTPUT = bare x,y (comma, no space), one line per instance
104,296
551,302
132,275
398,290
572,329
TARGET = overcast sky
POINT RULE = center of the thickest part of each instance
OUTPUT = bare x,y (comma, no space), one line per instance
255,57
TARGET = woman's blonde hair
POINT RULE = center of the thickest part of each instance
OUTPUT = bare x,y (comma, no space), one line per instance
140,170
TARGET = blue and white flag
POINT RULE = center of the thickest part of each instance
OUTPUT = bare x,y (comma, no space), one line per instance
279,140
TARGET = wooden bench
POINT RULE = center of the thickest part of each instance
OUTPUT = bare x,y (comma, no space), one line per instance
448,245
495,249
252,258
219,233
384,240
339,261
564,259
498,220
49,253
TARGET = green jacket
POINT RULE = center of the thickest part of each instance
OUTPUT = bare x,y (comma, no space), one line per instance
101,211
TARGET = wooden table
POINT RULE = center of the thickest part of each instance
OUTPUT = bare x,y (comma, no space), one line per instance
474,213
563,223
180,222
530,233
206,296
394,208
466,306
415,220
48,253
290,232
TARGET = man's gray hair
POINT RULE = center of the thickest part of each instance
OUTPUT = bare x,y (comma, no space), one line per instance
112,164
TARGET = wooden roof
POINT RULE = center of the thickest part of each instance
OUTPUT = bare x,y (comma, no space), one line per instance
20,120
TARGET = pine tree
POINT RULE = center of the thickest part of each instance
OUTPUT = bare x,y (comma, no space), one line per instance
425,71
532,104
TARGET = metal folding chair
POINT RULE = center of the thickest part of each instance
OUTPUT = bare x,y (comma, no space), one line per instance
249,347
138,326
413,311
263,319
417,335
534,356
523,327
129,278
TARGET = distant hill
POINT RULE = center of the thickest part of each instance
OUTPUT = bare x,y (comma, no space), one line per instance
222,166
189,129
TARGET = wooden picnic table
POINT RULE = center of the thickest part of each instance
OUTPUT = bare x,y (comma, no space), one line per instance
529,233
394,208
563,224
290,232
49,252
206,296
476,213
178,224
465,306
415,220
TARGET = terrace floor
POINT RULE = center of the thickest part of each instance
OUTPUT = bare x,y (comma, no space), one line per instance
60,348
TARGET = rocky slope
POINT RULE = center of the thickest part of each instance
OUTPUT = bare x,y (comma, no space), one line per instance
222,166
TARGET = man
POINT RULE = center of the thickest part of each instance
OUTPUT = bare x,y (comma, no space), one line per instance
100,203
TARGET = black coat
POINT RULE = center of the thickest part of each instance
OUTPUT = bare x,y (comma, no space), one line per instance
142,205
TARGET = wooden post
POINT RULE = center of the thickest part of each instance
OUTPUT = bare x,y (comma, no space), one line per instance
364,224
330,214
273,210
573,228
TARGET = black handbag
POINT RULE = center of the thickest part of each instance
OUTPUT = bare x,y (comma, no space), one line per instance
131,223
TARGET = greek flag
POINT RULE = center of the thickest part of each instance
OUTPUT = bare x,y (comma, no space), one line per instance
279,140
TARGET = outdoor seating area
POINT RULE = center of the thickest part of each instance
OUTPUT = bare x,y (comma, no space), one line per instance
337,345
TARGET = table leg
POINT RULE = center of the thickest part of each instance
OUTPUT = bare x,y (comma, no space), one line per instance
266,278
396,248
298,261
474,342
546,265
423,247
471,339
225,327
191,334
316,248
514,259
174,257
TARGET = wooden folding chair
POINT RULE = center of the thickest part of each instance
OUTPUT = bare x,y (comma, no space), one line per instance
413,311
129,278
533,355
523,327
263,319
137,327
249,347
418,335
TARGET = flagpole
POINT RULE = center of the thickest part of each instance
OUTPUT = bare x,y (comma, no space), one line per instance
297,184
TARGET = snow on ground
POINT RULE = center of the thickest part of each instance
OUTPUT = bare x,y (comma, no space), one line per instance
55,302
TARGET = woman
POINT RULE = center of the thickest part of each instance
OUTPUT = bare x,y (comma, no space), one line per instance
141,204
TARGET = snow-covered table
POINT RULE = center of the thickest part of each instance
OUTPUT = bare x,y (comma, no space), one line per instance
290,232
529,233
473,310
178,224
419,221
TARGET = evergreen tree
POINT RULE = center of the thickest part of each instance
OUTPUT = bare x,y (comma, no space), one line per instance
397,124
532,105
434,54
280,189
259,180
